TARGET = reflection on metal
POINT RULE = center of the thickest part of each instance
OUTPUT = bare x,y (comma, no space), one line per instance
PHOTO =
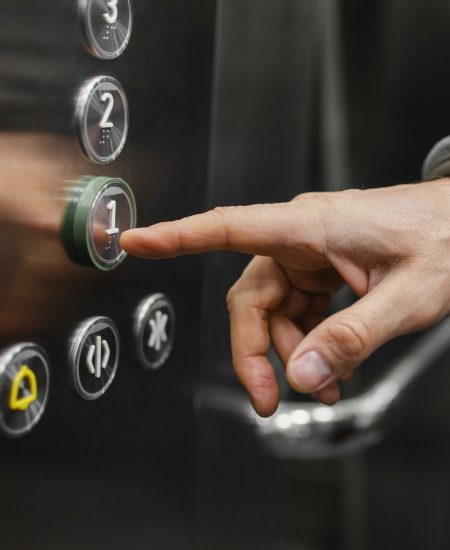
312,430
437,163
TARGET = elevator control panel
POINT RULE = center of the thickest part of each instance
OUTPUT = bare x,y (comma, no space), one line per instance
98,210
107,26
102,119
94,357
24,388
154,330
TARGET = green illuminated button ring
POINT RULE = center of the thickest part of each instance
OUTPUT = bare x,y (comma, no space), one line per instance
99,210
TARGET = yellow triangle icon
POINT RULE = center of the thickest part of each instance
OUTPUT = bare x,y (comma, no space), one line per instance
17,403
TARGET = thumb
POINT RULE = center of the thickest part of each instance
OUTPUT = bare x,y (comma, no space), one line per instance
341,342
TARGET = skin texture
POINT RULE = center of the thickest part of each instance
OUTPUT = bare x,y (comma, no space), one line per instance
390,245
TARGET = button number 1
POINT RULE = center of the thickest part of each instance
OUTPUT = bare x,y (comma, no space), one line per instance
112,207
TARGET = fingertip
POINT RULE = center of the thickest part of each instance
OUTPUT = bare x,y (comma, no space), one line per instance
329,395
264,410
134,242
154,242
265,401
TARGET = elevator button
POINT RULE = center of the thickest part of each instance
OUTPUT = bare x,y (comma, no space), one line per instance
93,357
102,119
98,210
107,26
24,387
154,330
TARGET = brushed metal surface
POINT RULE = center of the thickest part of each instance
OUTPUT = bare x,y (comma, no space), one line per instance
105,474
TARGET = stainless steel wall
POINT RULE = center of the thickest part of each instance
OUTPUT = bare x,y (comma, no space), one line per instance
117,472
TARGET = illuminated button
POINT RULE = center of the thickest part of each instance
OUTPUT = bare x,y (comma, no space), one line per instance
99,209
93,357
154,330
102,119
24,387
107,26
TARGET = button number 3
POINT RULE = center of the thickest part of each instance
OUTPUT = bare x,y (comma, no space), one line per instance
111,16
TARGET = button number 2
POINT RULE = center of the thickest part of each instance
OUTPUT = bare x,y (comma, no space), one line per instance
105,123
111,16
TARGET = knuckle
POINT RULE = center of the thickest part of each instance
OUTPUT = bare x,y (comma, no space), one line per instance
316,210
251,374
184,237
314,200
352,336
313,197
231,297
223,211
221,214
262,383
426,316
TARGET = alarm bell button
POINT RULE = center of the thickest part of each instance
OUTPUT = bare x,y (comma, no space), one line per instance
24,388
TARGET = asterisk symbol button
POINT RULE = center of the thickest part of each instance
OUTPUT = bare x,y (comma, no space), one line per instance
158,334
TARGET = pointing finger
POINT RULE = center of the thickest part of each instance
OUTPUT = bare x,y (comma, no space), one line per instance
255,229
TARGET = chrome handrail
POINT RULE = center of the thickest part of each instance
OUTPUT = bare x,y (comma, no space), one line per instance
312,430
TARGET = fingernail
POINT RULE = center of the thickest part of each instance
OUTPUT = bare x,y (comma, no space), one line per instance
310,371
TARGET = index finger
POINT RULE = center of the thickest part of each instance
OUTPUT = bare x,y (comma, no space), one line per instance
256,229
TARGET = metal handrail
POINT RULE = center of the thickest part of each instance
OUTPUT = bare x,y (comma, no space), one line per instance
312,430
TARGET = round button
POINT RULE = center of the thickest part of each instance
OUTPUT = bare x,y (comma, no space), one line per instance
107,26
154,330
94,357
102,119
24,388
98,210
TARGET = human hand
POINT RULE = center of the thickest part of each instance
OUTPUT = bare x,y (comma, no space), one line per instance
390,245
